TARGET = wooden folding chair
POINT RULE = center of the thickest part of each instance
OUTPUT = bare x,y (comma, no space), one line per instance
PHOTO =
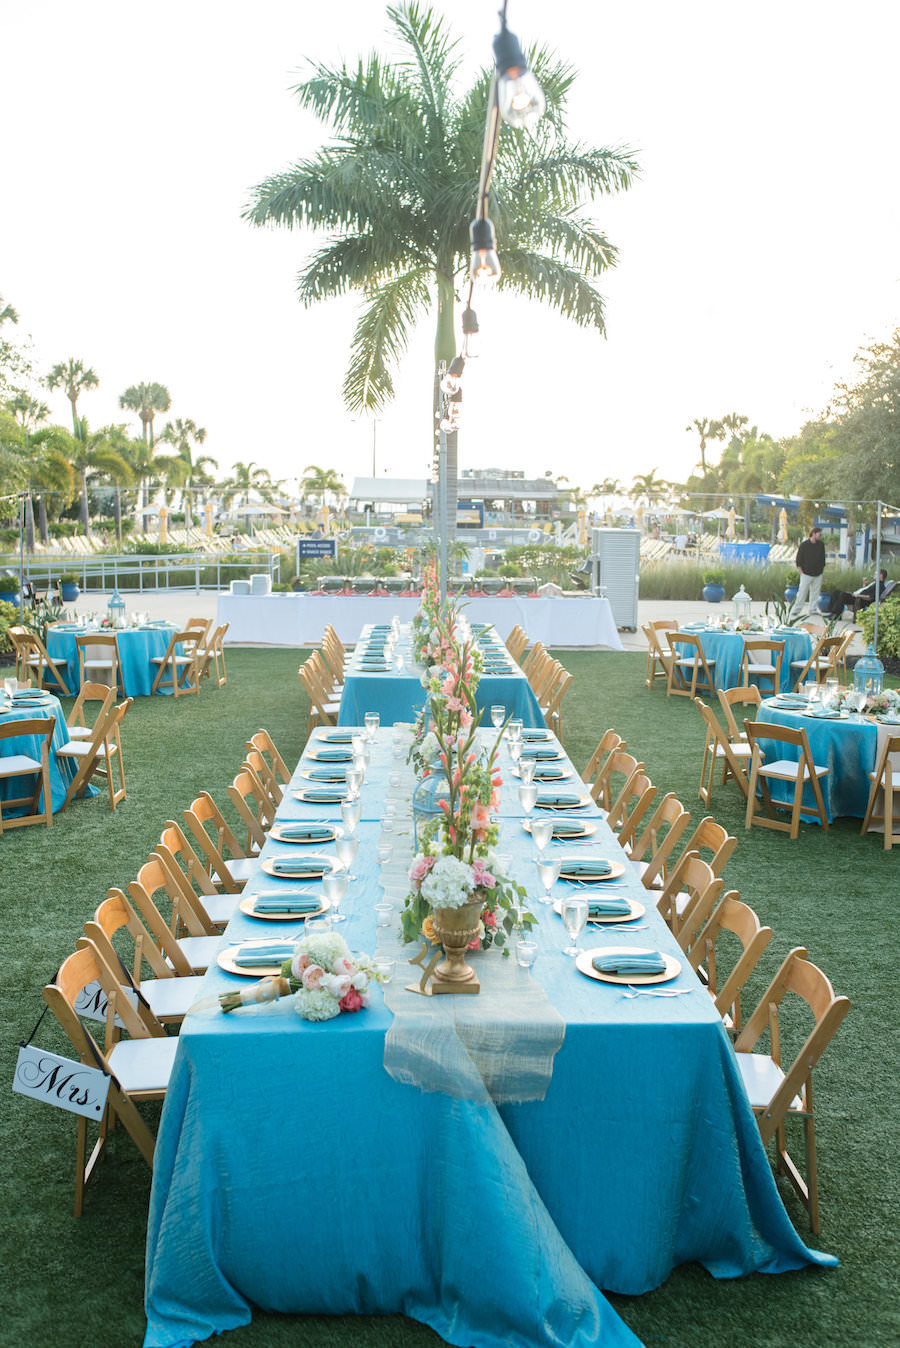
35,762
821,664
718,749
690,674
618,764
740,921
516,643
882,780
729,698
177,670
214,909
689,897
552,707
248,796
33,661
211,657
98,655
77,727
534,661
762,660
718,845
630,806
326,677
139,1068
799,772
154,885
166,996
323,709
262,741
226,861
651,851
201,626
99,756
778,1093
659,651
259,764
609,741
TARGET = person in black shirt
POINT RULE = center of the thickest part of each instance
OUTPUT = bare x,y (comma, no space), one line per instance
861,598
810,564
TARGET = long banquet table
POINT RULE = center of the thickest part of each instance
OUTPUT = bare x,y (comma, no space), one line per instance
298,619
293,1173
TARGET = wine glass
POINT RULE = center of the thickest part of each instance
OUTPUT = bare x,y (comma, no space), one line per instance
372,722
358,745
354,782
574,913
528,797
351,811
515,750
541,833
334,887
527,768
515,728
347,846
498,715
399,661
548,874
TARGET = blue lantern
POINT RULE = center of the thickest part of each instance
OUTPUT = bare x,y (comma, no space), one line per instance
868,675
426,798
116,610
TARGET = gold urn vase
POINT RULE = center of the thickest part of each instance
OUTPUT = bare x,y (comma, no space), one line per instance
456,929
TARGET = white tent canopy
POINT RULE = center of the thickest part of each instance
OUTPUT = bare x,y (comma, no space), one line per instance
390,490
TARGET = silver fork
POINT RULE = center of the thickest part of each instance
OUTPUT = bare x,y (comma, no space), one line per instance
652,992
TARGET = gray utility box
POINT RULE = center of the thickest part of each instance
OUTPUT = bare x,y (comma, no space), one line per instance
615,569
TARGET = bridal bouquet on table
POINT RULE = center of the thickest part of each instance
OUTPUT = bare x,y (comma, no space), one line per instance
323,977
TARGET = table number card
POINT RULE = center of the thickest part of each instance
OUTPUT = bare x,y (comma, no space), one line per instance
61,1082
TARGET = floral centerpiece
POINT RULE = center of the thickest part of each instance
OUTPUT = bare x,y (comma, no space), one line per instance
876,704
323,977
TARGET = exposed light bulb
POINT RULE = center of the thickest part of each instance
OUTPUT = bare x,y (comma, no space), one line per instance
519,96
451,380
452,412
471,339
485,262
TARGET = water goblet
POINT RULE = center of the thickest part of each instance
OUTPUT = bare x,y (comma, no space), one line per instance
383,914
384,968
548,874
354,782
515,750
384,852
372,722
498,715
351,811
526,953
357,744
527,769
574,913
399,661
541,833
515,728
347,846
528,797
334,887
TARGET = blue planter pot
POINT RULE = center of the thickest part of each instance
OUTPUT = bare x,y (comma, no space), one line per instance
69,592
824,603
790,593
713,594
9,596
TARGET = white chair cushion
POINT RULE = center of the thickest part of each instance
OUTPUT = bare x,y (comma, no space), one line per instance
143,1064
738,750
199,951
170,998
219,907
81,749
762,1078
786,769
79,732
761,669
13,764
690,661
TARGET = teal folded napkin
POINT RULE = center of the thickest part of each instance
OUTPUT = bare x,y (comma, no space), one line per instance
322,832
272,952
318,795
547,773
287,903
334,755
567,828
530,735
297,866
794,697
585,867
825,715
630,962
539,751
889,720
614,907
559,802
338,736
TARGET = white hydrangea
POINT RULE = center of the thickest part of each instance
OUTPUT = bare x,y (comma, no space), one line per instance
430,747
316,1004
449,883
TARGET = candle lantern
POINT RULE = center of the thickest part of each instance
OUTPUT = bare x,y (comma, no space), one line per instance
868,675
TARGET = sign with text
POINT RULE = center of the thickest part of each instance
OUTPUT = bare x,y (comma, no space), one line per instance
61,1082
92,1002
316,547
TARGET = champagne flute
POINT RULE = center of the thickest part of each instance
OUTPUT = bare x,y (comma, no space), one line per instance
334,887
541,833
372,722
498,715
351,811
528,797
574,913
548,874
347,846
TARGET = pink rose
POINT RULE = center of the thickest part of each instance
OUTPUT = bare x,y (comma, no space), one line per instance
420,868
489,917
482,876
344,966
312,977
351,1000
300,962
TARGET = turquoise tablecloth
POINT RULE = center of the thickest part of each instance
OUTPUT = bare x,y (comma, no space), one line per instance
137,647
846,747
398,696
726,648
61,771
293,1173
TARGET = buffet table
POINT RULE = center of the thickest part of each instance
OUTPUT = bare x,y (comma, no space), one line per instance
293,1173
137,647
298,619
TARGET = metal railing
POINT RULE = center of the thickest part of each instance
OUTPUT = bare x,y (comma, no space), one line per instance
194,571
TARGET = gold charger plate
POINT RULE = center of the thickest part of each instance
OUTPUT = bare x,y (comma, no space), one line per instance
584,965
576,803
248,907
617,868
637,910
329,778
586,830
225,961
323,796
328,864
276,834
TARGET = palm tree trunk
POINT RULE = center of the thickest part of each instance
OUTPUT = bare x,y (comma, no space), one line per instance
85,517
29,523
117,510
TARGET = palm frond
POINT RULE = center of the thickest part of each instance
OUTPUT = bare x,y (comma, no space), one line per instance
381,338
356,102
573,239
564,173
432,60
567,289
357,262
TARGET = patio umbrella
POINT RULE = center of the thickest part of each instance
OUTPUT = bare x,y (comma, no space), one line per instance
782,526
163,525
207,520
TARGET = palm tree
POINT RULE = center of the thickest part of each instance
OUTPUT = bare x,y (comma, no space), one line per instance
707,430
73,378
7,313
396,192
649,487
183,469
734,422
318,482
146,400
247,478
92,453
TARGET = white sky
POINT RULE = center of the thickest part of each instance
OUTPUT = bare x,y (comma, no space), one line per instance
758,251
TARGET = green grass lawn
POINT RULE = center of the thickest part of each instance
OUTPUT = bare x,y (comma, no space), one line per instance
73,1283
